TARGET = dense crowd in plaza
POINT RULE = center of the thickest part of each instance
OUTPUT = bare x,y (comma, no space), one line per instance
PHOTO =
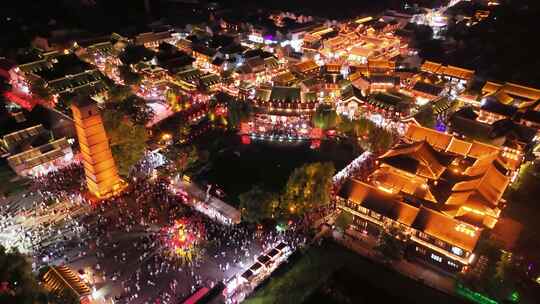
118,242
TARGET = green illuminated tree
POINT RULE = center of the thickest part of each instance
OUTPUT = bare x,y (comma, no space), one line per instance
118,93
172,99
325,117
127,140
345,126
380,139
363,126
181,158
238,112
122,100
308,187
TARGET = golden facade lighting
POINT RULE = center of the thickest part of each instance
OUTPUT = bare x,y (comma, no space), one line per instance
100,169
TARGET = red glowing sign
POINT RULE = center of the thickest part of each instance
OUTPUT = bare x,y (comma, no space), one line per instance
27,103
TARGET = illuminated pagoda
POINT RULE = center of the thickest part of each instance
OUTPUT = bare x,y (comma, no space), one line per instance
441,191
100,169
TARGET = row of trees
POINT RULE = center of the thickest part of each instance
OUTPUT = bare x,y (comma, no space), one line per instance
307,188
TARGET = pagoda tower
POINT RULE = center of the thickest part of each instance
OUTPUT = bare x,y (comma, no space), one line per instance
100,169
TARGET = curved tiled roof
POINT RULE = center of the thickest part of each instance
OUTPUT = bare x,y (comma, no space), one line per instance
60,278
447,229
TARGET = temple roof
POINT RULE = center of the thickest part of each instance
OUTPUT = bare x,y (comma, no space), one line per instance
378,201
427,88
447,229
442,141
512,89
388,101
152,37
305,66
39,155
487,189
423,159
284,94
493,105
451,71
201,49
60,278
284,77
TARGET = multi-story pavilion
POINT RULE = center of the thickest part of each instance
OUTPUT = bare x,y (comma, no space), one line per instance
440,190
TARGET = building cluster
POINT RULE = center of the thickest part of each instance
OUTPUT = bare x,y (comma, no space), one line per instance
441,191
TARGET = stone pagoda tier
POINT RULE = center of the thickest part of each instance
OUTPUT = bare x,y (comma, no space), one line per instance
102,177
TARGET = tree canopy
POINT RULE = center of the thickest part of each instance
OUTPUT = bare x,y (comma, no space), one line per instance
181,158
129,77
308,186
258,205
16,274
325,117
426,117
344,220
122,100
365,133
238,112
128,140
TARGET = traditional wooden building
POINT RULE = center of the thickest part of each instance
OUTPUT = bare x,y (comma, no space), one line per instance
61,279
511,92
426,92
284,79
153,39
287,101
42,159
440,191
258,69
449,72
306,68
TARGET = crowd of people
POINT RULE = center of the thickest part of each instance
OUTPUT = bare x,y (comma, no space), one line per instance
360,167
117,244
